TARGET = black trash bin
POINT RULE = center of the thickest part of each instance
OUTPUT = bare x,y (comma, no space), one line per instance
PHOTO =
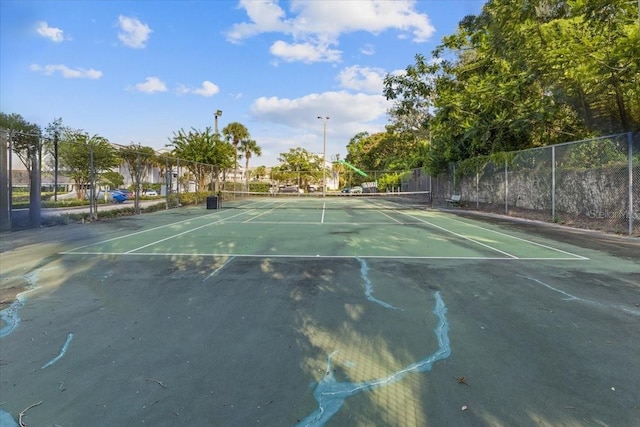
212,202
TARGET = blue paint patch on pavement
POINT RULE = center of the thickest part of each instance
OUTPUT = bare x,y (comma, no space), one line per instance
63,350
7,420
9,315
331,394
368,287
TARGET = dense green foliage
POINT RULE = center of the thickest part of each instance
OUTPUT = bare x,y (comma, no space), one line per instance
298,167
78,152
248,148
204,152
518,75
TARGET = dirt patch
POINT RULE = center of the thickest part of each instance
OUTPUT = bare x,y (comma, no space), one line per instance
9,295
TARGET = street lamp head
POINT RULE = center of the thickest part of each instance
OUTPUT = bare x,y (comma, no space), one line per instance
218,113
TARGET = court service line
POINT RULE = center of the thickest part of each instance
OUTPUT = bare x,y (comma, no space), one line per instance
139,232
390,217
462,236
272,205
257,216
184,232
520,239
316,256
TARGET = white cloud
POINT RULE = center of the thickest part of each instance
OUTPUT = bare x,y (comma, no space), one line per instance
54,34
368,49
295,121
343,108
133,33
207,89
67,73
364,79
151,85
304,52
316,25
266,16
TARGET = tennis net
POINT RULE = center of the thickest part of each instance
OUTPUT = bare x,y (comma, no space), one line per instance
330,200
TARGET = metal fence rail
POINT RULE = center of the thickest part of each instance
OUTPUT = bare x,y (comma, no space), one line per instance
592,184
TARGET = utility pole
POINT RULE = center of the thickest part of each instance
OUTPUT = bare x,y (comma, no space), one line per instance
324,154
217,114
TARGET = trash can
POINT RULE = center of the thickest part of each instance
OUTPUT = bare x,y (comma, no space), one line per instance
212,202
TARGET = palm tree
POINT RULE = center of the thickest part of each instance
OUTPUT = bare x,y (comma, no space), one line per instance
249,147
235,132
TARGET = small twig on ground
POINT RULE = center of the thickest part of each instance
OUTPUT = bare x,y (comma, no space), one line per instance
156,381
24,411
268,403
462,380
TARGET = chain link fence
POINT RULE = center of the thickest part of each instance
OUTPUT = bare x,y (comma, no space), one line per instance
88,175
593,184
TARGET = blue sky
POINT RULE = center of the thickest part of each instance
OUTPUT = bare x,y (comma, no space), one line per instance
139,71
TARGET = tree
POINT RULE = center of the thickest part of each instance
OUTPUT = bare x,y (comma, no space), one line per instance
261,172
25,138
79,152
112,179
235,132
204,152
249,147
522,75
53,131
298,166
139,160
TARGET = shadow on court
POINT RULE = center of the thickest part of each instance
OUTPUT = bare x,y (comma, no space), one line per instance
239,339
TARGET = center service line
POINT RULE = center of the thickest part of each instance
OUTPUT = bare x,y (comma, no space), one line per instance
323,208
185,232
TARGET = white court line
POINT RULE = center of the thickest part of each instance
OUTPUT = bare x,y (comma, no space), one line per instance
142,231
462,236
521,239
299,256
263,213
390,217
124,236
184,232
324,205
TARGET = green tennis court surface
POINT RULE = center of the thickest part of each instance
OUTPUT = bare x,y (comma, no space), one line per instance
320,311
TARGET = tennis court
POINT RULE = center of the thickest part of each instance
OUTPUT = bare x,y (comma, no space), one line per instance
311,310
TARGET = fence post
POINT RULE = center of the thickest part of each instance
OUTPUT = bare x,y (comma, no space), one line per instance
5,181
553,183
630,210
506,188
477,190
93,215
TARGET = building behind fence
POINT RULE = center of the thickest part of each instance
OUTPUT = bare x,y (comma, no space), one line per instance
592,184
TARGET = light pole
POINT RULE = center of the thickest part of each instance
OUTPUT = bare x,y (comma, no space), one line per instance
324,153
217,114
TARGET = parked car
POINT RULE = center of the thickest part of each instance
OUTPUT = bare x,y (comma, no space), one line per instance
112,196
151,193
290,190
128,193
356,190
346,190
